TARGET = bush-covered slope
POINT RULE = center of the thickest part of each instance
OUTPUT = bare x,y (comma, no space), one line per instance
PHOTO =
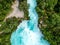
6,30
5,7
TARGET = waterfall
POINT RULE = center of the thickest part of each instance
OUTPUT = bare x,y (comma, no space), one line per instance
28,32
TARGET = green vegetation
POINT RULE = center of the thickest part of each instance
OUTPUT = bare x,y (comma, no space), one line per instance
6,30
51,20
48,12
5,7
6,27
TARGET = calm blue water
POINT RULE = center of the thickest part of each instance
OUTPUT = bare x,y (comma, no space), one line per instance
28,33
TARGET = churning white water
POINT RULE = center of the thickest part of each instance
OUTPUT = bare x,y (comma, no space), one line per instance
28,33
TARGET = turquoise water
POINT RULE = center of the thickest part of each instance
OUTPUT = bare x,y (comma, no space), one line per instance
28,33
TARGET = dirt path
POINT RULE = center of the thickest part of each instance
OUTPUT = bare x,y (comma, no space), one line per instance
16,12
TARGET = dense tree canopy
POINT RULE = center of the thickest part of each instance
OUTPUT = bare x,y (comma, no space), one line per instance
5,6
6,30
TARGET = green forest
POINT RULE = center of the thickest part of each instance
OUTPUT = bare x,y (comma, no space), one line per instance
48,12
